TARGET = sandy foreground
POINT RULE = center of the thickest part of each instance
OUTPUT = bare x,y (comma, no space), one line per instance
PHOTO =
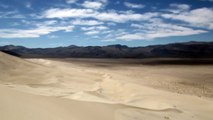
76,89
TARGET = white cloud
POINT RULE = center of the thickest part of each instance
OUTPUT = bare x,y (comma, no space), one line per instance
94,28
32,33
68,13
38,24
129,37
112,16
202,17
107,32
11,14
111,24
101,27
181,7
158,29
177,8
132,5
159,34
86,22
92,32
92,5
87,28
52,36
137,25
123,17
112,34
71,1
91,21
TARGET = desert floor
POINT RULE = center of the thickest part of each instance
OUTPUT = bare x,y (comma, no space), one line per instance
103,89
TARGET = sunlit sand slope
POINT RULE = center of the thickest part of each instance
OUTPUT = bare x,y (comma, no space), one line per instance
44,89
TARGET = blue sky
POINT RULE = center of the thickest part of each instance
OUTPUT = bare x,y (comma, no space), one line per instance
52,23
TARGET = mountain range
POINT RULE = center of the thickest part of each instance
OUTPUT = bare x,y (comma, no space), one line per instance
175,50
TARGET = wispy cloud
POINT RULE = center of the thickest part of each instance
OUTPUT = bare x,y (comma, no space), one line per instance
92,32
133,5
123,17
96,19
32,33
181,7
103,16
11,14
68,13
201,17
94,28
177,8
158,29
52,36
71,1
86,22
92,5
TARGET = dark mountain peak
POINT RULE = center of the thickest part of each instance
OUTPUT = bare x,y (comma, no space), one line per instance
194,43
118,46
190,49
72,46
11,47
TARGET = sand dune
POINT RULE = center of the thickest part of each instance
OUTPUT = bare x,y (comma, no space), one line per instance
44,89
22,106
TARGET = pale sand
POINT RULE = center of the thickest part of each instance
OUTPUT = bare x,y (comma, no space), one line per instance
43,89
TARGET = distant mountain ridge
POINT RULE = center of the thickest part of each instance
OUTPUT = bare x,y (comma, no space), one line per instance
175,50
